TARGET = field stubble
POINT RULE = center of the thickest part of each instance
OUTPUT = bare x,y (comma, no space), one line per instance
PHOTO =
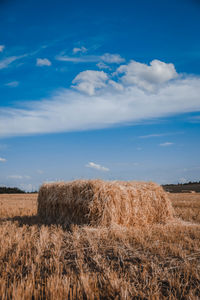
39,261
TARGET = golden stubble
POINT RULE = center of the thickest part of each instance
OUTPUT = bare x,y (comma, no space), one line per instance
45,261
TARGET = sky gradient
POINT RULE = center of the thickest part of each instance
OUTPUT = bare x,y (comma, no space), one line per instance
107,89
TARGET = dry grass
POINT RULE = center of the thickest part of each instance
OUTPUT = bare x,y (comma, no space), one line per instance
40,261
103,203
187,210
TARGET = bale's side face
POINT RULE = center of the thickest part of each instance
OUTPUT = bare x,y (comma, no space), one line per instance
64,202
100,203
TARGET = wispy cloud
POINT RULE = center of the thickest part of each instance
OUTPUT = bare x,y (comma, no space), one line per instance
159,135
4,63
79,59
40,62
12,84
18,177
166,144
97,101
106,58
97,167
2,160
81,50
2,48
152,135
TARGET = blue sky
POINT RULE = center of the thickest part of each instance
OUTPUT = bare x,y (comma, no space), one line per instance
99,89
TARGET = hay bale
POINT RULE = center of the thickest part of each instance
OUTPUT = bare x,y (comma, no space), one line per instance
100,203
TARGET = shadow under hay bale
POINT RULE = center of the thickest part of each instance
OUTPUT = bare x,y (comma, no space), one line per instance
101,203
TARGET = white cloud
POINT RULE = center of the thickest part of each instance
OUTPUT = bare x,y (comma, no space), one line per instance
112,58
4,63
12,84
2,159
2,48
152,135
166,144
160,134
81,49
19,177
102,65
97,167
79,59
105,58
147,77
117,86
69,109
43,62
89,81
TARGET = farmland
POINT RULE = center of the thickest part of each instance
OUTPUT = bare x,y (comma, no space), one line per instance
40,261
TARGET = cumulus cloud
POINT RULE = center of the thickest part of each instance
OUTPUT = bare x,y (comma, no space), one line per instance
81,50
147,77
110,102
97,167
117,86
166,144
40,62
2,159
89,81
12,84
2,48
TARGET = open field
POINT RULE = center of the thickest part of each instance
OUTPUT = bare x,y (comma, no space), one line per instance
39,261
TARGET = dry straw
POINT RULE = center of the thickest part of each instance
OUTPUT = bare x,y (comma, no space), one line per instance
100,203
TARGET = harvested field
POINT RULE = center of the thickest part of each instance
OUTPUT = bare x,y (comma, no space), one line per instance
101,203
40,261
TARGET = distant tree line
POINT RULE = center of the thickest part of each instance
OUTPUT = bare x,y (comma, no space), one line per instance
11,190
183,187
189,183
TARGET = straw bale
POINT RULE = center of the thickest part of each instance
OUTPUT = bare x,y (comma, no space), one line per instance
101,203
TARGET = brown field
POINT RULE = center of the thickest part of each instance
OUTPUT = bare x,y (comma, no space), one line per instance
39,261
